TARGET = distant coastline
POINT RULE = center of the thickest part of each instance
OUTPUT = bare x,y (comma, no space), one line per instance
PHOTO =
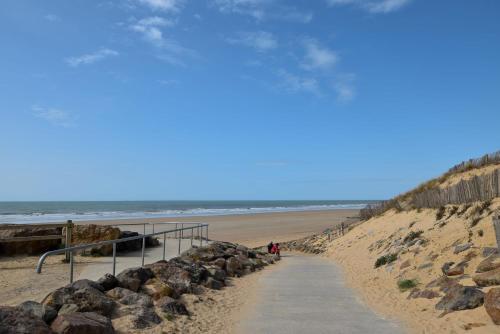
42,212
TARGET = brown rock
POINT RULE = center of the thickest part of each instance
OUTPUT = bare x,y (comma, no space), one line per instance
492,262
488,278
428,294
87,234
29,247
461,298
405,264
492,304
156,289
82,323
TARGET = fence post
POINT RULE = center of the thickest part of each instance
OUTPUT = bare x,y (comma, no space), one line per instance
496,225
114,259
69,232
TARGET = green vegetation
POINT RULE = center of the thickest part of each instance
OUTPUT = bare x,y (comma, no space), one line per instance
406,284
386,259
412,236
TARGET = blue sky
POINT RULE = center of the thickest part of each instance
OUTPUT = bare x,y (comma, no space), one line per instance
243,99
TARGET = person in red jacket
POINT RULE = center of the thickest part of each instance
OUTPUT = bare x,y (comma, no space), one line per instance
276,249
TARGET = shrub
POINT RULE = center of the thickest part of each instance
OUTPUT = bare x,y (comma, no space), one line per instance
475,221
440,213
386,259
412,236
480,233
406,284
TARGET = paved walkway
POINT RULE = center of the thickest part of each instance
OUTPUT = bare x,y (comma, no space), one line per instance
306,294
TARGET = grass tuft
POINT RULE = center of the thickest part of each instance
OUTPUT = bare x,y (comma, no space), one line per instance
406,284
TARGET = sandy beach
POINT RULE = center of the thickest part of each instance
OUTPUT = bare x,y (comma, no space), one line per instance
256,229
19,282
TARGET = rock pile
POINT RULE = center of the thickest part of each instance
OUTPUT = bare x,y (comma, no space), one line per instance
136,298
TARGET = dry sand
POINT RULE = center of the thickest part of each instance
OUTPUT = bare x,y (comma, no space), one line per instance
378,287
256,229
19,282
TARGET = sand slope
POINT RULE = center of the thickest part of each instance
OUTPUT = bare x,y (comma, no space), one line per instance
358,250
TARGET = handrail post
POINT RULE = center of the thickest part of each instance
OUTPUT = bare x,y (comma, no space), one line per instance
143,248
114,259
182,231
67,243
164,245
179,249
206,233
192,232
71,266
200,235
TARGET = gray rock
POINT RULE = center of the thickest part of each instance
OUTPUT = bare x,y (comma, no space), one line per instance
144,318
44,312
217,273
82,323
172,306
233,266
83,295
214,284
108,282
133,278
461,298
17,321
487,251
461,248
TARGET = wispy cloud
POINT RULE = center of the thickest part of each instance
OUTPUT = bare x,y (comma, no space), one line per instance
260,40
91,58
52,17
344,87
163,5
373,6
149,27
317,56
293,83
263,10
55,116
171,51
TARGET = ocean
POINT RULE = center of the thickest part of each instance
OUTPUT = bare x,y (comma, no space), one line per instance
41,212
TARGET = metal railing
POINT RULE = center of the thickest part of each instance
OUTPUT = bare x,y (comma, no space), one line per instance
179,234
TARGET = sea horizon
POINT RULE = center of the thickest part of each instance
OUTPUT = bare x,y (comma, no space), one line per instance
26,212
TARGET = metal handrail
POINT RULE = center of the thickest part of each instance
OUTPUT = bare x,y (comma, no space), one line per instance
199,227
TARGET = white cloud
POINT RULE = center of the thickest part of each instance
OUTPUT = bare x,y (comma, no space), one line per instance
261,40
54,116
263,10
51,17
163,5
149,28
91,57
318,57
373,6
292,83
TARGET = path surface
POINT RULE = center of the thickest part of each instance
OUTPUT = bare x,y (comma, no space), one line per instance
306,294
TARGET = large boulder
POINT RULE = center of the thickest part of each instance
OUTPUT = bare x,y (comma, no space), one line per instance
14,320
233,266
156,289
29,247
91,233
108,282
82,323
214,284
492,304
488,278
133,278
80,296
44,312
492,262
461,298
134,245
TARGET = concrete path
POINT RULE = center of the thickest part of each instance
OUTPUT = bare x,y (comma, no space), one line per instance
306,294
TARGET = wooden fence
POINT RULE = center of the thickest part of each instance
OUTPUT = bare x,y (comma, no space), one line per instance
478,188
